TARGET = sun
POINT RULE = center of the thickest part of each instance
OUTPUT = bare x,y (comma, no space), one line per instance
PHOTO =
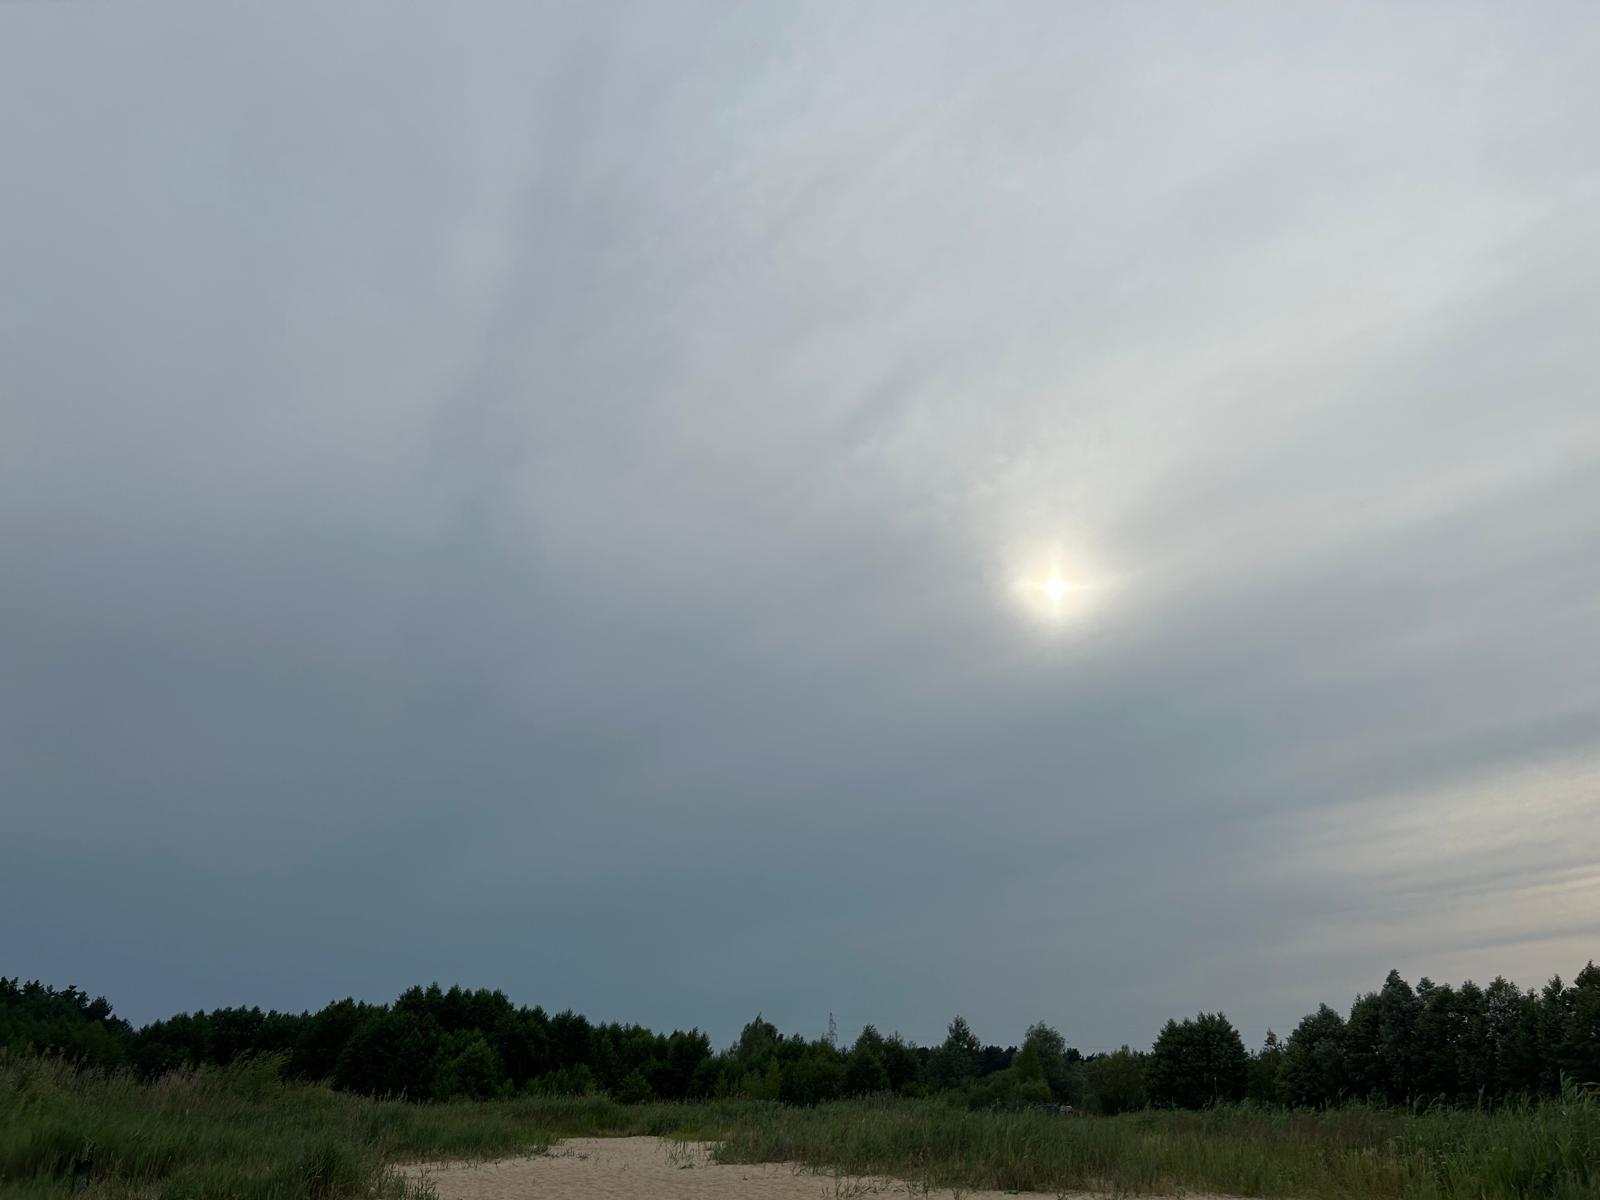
1052,594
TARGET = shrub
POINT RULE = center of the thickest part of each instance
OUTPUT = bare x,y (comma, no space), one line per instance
635,1089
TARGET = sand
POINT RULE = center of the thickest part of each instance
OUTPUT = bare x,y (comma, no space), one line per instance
647,1168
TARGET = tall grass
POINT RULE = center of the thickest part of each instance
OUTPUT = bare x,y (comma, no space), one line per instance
237,1132
242,1133
1548,1149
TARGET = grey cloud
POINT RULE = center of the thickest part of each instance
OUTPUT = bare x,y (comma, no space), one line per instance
532,497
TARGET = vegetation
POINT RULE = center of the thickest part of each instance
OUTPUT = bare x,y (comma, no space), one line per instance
237,1131
1398,1046
244,1132
65,1021
1428,1092
1542,1149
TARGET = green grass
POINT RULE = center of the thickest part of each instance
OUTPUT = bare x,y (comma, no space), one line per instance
237,1132
1543,1150
242,1133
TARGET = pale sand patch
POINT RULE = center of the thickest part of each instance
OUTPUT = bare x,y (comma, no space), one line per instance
645,1168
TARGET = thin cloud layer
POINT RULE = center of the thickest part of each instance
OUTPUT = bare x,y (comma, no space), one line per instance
535,498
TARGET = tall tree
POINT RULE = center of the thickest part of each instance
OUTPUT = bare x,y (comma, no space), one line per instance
1058,1061
1398,1009
864,1072
955,1062
1579,1050
1198,1063
1315,1071
1117,1082
1264,1085
1509,1026
391,1054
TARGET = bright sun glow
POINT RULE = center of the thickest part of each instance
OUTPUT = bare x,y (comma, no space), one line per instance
1053,594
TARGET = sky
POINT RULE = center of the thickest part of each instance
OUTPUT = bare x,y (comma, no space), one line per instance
1069,512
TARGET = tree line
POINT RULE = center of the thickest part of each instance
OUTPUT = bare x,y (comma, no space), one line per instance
1399,1045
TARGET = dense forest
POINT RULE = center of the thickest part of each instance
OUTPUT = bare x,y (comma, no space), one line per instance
1399,1045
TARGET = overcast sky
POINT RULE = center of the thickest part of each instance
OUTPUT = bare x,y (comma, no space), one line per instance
1042,511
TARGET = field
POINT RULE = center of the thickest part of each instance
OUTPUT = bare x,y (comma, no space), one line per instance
242,1132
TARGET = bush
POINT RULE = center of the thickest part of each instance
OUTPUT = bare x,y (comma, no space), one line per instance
1115,1083
635,1089
467,1068
570,1081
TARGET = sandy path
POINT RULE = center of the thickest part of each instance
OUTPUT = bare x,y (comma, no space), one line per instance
644,1168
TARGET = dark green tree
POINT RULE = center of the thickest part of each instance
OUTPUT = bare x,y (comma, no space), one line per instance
570,1035
521,1041
814,1077
758,1043
1578,1052
1510,1027
1435,1075
1475,1072
65,1021
1315,1072
677,1060
390,1054
1060,1063
1263,1085
955,1063
323,1038
1116,1082
864,1073
467,1068
1198,1062
1398,1010
1365,1072
635,1089
1021,1085
899,1063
